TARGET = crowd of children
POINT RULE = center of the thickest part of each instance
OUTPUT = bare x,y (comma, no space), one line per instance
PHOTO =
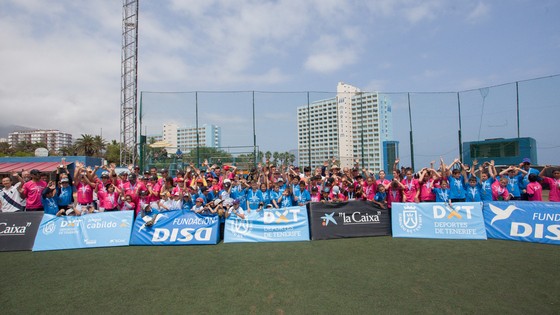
226,190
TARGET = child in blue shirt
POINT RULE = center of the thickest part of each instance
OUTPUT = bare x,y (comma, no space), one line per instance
380,197
473,190
442,192
49,200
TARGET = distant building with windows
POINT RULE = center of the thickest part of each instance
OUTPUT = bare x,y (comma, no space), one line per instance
54,139
502,151
185,138
352,126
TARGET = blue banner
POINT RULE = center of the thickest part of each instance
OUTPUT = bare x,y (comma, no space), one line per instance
271,225
179,227
91,230
537,222
438,220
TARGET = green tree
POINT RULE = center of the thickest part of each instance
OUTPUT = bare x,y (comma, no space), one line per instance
213,155
69,150
112,154
99,145
291,158
86,145
5,149
267,155
28,147
275,157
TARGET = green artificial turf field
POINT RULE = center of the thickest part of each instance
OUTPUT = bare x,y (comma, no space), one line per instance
377,275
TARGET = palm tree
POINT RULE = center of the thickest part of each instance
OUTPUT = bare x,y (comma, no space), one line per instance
291,158
275,156
86,145
99,145
69,150
267,156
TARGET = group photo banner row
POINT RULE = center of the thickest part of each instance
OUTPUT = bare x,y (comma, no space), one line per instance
537,222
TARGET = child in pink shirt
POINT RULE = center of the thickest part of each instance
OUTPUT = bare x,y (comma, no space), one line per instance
534,188
553,183
499,189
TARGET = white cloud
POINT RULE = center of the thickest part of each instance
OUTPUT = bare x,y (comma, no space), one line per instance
413,11
334,51
375,86
58,72
480,11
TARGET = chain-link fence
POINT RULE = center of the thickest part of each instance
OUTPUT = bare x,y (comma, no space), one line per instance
308,124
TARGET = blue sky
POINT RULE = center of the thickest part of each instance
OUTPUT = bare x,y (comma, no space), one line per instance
60,61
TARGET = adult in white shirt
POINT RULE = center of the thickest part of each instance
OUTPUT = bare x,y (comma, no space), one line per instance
10,197
236,210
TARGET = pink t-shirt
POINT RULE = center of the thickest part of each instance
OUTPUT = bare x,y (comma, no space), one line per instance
383,182
534,189
554,194
156,189
84,192
394,195
108,200
33,191
499,191
426,191
369,191
316,197
410,189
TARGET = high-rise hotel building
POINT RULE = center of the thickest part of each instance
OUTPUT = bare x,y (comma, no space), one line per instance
351,127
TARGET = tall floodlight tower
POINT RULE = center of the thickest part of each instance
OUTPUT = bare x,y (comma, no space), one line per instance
129,79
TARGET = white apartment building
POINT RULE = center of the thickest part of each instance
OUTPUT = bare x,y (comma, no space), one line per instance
185,138
54,139
352,126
